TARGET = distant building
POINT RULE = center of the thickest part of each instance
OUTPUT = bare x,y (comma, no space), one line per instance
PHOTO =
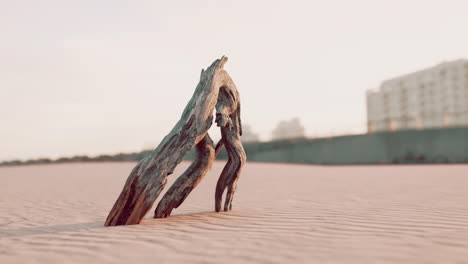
289,129
248,135
430,98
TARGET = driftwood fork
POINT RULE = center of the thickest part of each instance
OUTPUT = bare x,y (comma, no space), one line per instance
215,90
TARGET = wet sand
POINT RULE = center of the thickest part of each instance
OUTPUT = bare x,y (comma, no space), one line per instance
282,214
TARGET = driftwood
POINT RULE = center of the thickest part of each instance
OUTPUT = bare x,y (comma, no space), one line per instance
146,181
228,118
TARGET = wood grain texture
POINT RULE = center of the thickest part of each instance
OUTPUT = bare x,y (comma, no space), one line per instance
148,178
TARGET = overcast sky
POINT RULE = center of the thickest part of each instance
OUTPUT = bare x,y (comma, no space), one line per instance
92,77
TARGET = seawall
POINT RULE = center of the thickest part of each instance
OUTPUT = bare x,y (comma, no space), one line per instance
447,145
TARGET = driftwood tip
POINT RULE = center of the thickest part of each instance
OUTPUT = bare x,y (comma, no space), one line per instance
223,60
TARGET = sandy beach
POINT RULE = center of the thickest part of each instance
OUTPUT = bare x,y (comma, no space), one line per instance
281,214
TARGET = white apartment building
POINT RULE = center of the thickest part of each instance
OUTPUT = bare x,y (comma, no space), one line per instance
430,98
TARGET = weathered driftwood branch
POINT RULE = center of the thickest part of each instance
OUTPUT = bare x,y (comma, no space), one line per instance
205,154
228,118
148,178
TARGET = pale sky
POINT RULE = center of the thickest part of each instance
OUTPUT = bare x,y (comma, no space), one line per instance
92,77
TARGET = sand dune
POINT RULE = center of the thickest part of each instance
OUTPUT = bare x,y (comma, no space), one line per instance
282,214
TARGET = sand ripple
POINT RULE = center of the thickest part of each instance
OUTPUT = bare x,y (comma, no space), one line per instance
282,214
